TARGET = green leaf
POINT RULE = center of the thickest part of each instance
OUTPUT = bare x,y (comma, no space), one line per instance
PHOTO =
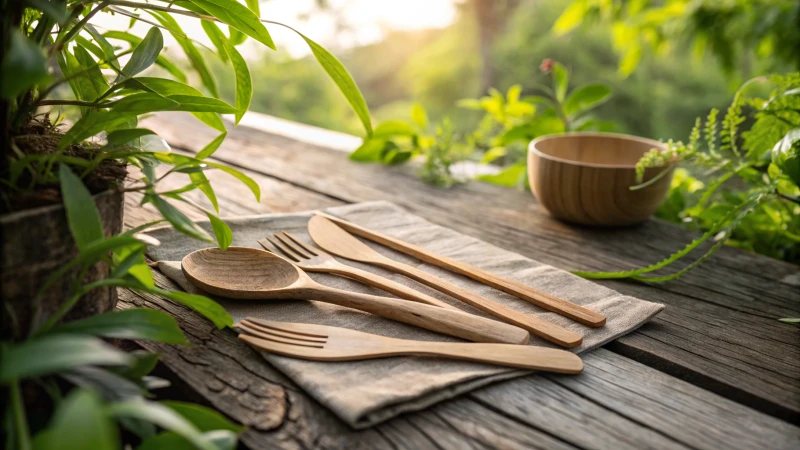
163,417
144,363
254,6
249,182
222,231
244,83
222,440
201,181
139,324
571,17
392,128
24,66
82,217
56,9
585,98
786,155
167,88
120,138
237,16
178,219
370,151
161,61
211,147
108,50
630,59
208,308
194,55
217,38
560,81
93,123
79,82
92,69
790,320
91,47
343,79
493,153
419,116
55,353
110,385
81,423
205,419
510,176
145,54
202,104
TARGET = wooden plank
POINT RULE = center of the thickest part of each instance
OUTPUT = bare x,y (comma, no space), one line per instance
616,403
719,329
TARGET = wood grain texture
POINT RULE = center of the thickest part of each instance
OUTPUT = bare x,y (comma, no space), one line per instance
513,287
330,237
325,343
246,273
586,177
601,409
719,329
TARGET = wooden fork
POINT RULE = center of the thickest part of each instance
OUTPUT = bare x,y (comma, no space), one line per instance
326,343
312,259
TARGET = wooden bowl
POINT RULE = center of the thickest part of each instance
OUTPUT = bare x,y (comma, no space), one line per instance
585,178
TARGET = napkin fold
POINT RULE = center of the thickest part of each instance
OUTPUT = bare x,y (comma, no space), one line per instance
363,393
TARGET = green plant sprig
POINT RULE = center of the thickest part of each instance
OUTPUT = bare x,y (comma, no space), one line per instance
764,162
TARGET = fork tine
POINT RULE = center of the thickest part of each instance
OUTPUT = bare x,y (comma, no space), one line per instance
293,246
282,340
285,250
249,324
277,347
305,329
309,248
266,247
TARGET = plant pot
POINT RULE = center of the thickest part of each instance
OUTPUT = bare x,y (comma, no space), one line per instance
585,178
35,243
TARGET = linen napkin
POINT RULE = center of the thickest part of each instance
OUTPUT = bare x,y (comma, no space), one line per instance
363,393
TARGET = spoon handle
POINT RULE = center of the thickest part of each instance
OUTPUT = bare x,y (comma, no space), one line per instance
539,327
388,285
441,320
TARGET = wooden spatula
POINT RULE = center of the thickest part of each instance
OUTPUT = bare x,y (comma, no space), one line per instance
339,242
325,343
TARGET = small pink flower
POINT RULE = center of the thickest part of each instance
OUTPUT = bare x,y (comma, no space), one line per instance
546,65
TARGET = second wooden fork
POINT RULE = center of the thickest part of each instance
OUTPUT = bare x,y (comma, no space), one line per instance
312,259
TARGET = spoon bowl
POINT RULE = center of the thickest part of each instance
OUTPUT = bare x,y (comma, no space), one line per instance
241,272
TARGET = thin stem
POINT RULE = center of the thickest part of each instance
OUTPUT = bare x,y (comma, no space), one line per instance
163,8
73,103
790,198
77,28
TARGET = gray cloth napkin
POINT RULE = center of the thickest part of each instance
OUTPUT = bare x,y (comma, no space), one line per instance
363,393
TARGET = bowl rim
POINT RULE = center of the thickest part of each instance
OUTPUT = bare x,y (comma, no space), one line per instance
532,147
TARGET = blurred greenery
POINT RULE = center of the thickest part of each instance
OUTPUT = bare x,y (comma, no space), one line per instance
436,68
665,62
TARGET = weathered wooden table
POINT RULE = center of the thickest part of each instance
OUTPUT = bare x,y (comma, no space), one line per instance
714,370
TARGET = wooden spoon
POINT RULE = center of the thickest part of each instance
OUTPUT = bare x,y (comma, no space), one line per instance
335,240
252,274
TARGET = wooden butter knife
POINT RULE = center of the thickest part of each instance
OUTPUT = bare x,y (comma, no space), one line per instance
515,288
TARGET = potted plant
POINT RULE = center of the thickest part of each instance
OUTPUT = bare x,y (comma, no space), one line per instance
64,251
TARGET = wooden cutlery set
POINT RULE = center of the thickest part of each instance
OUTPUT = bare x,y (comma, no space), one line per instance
280,273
